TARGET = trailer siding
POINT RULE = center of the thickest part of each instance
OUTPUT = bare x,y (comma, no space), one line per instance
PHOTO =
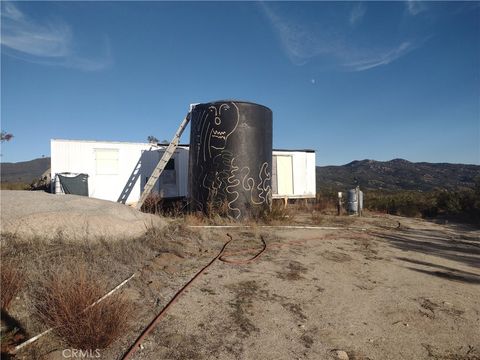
108,174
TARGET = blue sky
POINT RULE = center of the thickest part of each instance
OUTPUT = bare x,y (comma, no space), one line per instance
352,80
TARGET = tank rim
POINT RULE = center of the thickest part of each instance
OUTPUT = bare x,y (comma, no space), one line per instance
235,101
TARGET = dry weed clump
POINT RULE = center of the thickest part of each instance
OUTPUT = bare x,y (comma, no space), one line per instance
318,219
325,203
217,209
64,299
11,281
152,203
278,214
195,219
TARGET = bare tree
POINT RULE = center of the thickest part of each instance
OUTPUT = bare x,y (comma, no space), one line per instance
4,136
152,139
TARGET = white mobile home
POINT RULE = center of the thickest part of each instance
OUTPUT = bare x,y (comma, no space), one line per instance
293,174
118,171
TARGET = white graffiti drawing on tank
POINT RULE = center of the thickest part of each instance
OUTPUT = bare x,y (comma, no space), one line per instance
215,132
219,173
260,191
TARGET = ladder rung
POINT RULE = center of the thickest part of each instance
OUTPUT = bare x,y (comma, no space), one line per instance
169,151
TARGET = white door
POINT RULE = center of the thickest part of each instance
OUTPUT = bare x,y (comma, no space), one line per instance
284,175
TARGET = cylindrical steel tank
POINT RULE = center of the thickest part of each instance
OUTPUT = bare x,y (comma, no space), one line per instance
360,199
230,158
352,201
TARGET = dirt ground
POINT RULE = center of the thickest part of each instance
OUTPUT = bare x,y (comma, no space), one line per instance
408,293
380,287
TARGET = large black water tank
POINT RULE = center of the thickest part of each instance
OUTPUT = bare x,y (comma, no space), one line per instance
231,158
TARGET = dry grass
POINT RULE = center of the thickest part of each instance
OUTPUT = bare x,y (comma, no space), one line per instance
217,208
152,203
112,260
117,257
325,206
14,186
278,214
11,281
195,219
63,302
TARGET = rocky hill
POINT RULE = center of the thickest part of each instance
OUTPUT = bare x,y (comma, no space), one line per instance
397,174
25,171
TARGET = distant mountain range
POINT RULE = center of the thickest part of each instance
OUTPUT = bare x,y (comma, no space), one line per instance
397,174
25,171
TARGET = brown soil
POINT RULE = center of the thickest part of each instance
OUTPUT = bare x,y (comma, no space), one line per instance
390,292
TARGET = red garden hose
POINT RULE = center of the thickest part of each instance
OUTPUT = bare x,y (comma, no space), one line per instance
220,256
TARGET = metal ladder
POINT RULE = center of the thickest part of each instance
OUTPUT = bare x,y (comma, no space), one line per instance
131,181
152,180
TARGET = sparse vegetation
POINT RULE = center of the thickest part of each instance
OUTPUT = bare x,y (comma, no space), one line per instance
278,213
11,281
14,186
152,203
461,205
56,290
64,299
4,136
396,175
152,139
164,258
217,208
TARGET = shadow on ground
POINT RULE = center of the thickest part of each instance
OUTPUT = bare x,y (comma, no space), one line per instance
460,249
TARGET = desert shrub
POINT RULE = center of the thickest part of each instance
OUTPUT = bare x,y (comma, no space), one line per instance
217,207
277,213
326,201
317,218
11,281
461,204
175,209
152,203
14,186
404,203
195,219
449,202
63,301
156,204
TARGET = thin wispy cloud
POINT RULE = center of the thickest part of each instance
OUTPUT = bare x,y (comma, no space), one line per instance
380,57
357,13
298,42
415,7
303,43
46,43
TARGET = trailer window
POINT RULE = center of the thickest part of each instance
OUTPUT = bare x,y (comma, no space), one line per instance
106,161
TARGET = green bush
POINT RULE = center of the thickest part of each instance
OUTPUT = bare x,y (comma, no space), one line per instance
14,186
461,204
